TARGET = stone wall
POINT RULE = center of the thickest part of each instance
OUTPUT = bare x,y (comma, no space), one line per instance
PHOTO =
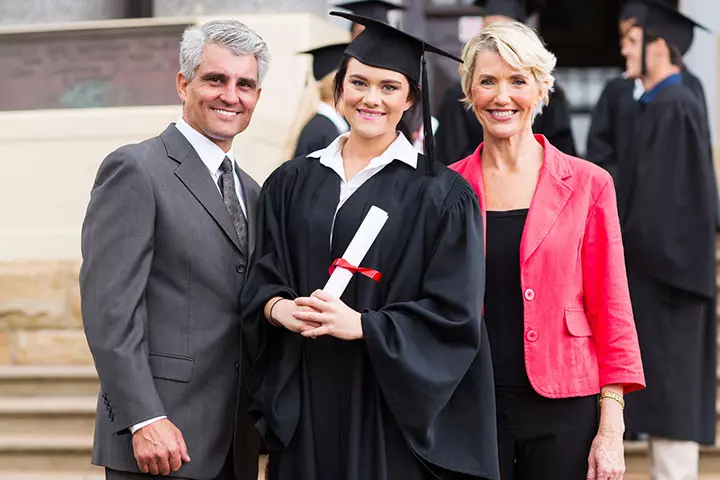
40,322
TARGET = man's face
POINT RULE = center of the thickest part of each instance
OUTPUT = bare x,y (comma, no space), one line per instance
221,98
632,51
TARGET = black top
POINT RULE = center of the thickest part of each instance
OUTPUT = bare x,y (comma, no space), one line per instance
503,297
416,393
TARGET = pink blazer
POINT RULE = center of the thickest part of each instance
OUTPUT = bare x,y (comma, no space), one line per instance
579,328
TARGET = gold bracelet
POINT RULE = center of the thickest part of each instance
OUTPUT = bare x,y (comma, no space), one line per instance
615,396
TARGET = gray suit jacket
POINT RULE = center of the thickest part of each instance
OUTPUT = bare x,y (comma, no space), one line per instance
161,276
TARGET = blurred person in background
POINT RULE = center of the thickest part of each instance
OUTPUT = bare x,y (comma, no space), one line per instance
459,133
375,9
167,241
668,206
556,306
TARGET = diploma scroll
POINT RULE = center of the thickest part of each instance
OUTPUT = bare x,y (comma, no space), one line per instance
369,229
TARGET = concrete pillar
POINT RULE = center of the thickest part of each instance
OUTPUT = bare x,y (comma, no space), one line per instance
25,12
174,8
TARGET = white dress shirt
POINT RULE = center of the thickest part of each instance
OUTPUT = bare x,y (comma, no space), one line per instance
331,114
212,156
331,156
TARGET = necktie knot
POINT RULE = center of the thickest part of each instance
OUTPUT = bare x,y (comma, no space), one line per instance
226,165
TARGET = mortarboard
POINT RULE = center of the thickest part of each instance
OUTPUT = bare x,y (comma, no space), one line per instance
326,59
667,23
383,46
375,9
518,10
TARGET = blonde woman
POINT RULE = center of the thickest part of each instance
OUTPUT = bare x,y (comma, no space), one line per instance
556,306
327,123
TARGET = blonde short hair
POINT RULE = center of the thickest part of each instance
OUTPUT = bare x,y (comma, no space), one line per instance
519,46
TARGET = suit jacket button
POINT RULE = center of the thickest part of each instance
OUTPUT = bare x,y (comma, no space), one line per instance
530,294
532,336
240,268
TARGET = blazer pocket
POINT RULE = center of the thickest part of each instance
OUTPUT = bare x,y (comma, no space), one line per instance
171,367
577,323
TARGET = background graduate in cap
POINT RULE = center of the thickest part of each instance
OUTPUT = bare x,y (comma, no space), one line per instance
393,380
327,123
459,132
375,9
668,211
613,118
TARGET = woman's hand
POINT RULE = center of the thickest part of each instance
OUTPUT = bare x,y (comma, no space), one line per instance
282,311
335,318
607,460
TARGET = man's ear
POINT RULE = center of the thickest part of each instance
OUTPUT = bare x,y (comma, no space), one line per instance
182,84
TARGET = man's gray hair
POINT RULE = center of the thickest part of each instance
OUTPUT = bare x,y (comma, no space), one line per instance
231,34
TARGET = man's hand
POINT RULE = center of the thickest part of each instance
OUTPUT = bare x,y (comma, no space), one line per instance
160,448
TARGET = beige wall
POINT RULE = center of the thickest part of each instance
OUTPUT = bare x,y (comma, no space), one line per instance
48,158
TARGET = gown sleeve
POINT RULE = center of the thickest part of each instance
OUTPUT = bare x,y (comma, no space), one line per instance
271,276
421,351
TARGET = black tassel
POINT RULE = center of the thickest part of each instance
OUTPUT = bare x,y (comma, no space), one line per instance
428,139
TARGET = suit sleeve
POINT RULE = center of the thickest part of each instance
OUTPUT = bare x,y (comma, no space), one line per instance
607,298
117,249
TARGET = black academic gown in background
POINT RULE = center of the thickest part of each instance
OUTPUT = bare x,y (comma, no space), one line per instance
459,132
668,227
612,127
317,134
418,389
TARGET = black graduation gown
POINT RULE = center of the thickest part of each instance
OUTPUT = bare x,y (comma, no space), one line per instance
459,132
668,233
317,134
418,389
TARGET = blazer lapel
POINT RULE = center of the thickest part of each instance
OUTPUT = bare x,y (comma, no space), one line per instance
550,197
193,173
251,196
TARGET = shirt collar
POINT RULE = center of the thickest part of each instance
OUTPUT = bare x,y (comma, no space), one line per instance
401,149
331,114
210,154
650,95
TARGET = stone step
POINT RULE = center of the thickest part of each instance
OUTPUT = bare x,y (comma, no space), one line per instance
46,453
33,381
637,461
47,415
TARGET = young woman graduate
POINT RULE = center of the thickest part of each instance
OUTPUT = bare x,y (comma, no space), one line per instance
394,379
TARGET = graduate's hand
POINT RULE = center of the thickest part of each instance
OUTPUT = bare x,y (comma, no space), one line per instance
282,313
335,318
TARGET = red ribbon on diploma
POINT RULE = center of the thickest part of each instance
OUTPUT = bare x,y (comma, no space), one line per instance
368,272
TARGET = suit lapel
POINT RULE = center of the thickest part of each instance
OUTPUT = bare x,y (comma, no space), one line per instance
193,173
551,195
250,196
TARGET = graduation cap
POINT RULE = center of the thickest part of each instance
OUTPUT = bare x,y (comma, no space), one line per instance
376,9
633,9
326,59
519,10
383,46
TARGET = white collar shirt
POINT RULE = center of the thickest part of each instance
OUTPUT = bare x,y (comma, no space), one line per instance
212,156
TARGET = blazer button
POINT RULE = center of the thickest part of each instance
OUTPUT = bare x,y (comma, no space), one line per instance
531,335
530,294
240,268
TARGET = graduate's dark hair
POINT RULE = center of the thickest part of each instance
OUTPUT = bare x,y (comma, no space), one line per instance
676,57
414,95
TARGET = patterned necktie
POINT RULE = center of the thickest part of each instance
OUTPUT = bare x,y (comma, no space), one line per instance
226,182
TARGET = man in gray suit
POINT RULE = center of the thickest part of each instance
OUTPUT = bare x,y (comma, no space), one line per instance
167,241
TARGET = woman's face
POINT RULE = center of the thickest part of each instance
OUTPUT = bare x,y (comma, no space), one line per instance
503,98
373,99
